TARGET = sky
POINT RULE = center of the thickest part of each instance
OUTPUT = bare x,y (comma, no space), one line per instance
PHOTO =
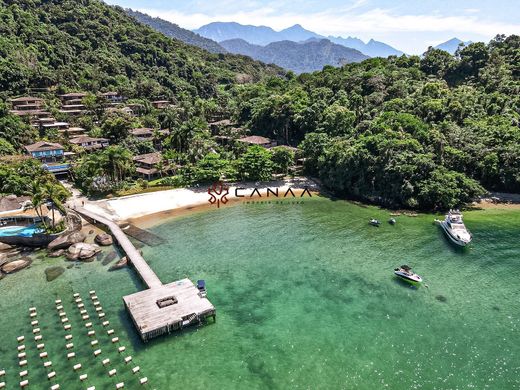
408,25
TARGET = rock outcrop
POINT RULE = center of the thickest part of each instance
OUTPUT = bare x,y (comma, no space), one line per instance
104,239
58,253
65,241
82,251
4,247
16,265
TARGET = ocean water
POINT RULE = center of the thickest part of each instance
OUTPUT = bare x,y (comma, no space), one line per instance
305,298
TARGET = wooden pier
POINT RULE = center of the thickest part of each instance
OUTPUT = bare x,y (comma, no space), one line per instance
161,308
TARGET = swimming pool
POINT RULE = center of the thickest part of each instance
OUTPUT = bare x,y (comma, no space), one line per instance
20,231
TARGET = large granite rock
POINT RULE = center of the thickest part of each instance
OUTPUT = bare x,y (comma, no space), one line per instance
82,251
58,253
4,247
104,239
63,242
16,265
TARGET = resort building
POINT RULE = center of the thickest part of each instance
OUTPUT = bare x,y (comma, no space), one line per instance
148,134
113,97
89,143
258,140
219,127
151,165
27,103
50,124
52,155
73,132
160,104
18,211
72,103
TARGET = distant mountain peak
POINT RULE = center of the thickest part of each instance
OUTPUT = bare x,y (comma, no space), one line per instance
451,45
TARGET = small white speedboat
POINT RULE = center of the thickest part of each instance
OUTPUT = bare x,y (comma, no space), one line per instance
454,227
374,222
405,272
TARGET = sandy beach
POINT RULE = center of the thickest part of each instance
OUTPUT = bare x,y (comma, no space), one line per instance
133,207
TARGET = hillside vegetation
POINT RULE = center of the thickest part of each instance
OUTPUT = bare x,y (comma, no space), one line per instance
430,132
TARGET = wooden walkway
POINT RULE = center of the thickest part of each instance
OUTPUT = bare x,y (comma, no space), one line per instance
143,269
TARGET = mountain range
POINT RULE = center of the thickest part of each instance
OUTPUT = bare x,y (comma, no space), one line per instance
262,35
304,57
174,31
452,45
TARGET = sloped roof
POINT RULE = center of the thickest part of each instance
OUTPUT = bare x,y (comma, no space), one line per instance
43,146
26,99
12,202
256,140
85,138
150,158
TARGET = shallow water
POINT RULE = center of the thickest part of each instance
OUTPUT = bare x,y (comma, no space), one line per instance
305,298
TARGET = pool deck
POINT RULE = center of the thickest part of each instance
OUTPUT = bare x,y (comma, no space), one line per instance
161,308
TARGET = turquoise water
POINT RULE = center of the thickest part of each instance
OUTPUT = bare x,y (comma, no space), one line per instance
305,298
19,231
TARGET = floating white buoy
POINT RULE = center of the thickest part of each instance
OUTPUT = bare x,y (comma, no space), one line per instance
43,355
101,315
59,307
88,325
76,295
99,308
40,346
62,314
71,355
128,359
47,364
57,301
2,372
96,303
85,317
69,346
2,385
121,349
68,337
136,369
22,363
94,343
32,309
77,366
55,387
120,385
106,362
106,323
91,333
83,312
24,383
22,355
33,314
92,292
81,305
36,330
64,320
94,297
115,340
143,380
110,332
34,323
83,377
112,372
97,352
51,375
38,338
67,327
78,300
21,348
20,339
91,388
24,373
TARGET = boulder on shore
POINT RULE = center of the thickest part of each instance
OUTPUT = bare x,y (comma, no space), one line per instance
82,251
104,239
63,242
4,247
16,265
120,264
58,253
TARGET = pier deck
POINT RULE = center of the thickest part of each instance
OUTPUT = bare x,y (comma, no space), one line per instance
173,306
161,308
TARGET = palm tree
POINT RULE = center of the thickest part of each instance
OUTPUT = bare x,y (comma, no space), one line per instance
37,200
118,162
55,194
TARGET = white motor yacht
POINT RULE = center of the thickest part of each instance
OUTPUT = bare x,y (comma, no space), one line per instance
405,272
455,229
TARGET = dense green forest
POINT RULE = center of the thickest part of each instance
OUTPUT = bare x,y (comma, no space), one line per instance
87,45
421,132
425,132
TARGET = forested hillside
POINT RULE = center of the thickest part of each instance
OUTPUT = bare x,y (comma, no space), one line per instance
428,132
90,46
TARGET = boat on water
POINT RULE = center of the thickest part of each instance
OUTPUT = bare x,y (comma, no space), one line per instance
405,272
374,222
454,227
392,221
201,285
